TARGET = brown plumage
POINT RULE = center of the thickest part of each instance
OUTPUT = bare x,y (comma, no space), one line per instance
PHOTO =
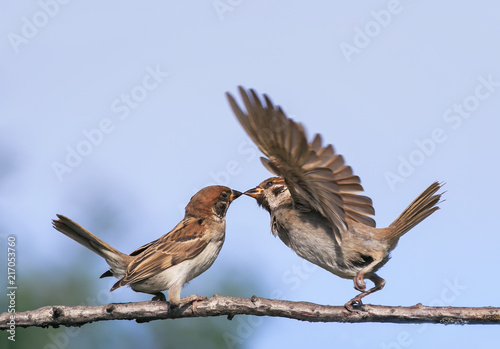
175,258
315,203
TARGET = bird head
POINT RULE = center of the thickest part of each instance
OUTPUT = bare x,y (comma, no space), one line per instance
213,200
271,193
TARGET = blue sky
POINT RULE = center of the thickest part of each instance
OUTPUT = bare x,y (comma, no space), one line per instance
122,103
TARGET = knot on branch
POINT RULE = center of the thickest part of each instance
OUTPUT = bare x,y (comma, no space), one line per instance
57,313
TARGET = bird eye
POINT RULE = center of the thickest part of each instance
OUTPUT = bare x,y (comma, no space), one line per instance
224,195
268,184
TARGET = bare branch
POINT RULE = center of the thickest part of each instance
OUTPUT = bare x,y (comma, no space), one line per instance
228,306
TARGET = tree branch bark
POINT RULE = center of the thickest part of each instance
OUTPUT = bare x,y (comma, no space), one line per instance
58,315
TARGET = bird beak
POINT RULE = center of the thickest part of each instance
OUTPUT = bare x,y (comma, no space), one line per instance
255,192
234,195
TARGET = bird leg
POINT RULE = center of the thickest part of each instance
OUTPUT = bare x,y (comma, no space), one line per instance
174,295
359,283
193,298
356,301
159,297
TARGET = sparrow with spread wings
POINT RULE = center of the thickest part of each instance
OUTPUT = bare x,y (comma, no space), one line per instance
172,260
314,203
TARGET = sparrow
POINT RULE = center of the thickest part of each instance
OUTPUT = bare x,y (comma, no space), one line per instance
174,259
314,202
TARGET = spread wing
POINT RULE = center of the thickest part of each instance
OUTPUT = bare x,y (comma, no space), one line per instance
184,242
317,178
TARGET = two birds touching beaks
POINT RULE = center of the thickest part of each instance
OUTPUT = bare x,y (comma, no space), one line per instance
314,204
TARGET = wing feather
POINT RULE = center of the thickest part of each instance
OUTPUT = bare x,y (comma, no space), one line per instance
184,242
316,176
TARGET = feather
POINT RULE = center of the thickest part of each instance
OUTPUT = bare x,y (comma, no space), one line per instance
315,175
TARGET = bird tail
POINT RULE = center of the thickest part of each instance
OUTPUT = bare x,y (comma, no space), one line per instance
117,260
421,208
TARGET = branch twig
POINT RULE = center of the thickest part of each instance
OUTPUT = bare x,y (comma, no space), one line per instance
58,315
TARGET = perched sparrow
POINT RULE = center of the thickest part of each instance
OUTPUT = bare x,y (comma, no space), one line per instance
175,258
314,205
